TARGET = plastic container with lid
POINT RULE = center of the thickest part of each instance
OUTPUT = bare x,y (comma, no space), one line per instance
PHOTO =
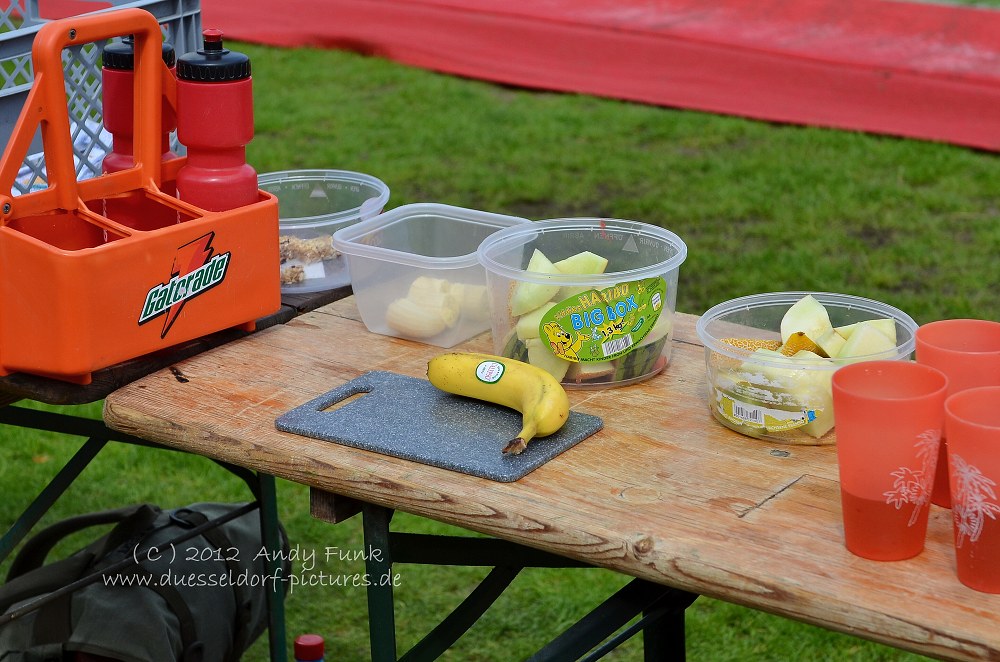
312,206
755,390
414,271
591,300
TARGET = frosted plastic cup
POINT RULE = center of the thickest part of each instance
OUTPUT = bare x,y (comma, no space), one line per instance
972,418
889,416
968,352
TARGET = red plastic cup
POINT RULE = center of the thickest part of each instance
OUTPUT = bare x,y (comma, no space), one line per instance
973,421
888,416
968,352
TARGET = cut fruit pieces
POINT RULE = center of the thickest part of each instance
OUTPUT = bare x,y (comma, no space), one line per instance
884,324
529,296
527,325
425,285
583,263
751,344
474,301
797,342
808,316
424,319
866,343
830,343
661,328
540,356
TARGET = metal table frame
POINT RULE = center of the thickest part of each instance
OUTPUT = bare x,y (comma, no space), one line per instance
660,609
21,386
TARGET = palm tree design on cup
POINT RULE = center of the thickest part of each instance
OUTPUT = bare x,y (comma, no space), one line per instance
973,500
914,486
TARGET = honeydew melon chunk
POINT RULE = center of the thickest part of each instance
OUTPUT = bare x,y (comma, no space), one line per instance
824,422
830,343
527,325
884,324
661,328
540,356
866,343
529,296
798,384
582,264
808,316
585,263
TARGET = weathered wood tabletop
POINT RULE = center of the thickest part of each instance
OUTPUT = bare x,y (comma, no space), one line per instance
662,492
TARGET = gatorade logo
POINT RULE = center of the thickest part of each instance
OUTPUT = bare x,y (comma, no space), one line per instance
196,269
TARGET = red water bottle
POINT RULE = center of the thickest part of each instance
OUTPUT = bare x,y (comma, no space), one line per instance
215,123
117,85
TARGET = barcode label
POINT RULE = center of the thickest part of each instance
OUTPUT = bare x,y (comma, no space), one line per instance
617,345
748,413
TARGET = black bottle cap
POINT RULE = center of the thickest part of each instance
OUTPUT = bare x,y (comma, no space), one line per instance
120,55
213,63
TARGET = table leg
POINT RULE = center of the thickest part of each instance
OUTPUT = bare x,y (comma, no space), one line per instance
271,535
50,494
378,564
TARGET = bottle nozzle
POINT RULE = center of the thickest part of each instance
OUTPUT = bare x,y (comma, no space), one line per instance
213,39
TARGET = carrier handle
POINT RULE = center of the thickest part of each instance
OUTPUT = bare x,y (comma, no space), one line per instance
46,107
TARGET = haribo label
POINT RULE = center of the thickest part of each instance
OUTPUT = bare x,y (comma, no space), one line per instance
600,325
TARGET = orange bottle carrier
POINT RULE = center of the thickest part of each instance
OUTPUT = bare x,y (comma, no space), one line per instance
81,290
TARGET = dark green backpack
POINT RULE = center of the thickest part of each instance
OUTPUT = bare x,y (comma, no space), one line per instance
203,600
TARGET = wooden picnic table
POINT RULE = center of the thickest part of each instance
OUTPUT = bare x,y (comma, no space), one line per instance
662,493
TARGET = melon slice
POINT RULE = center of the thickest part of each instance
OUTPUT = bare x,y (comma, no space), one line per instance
661,327
529,296
807,316
540,356
527,324
866,343
830,343
584,263
884,324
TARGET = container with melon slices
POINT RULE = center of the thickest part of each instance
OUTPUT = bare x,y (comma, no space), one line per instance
770,358
589,300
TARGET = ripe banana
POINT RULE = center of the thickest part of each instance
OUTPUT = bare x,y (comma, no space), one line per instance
425,318
541,399
433,305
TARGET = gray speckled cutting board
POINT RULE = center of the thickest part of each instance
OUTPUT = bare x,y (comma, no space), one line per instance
411,419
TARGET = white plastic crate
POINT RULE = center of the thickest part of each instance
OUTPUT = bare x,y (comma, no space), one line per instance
19,21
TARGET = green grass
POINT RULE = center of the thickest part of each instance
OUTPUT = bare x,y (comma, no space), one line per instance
762,207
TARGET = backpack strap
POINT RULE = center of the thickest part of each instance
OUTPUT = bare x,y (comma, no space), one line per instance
135,519
23,584
193,649
217,537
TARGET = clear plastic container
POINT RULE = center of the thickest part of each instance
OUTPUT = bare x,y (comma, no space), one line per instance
414,271
312,205
776,397
591,324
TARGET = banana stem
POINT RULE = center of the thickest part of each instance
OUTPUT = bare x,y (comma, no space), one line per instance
517,445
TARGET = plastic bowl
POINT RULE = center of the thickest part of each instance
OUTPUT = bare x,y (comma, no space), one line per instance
589,330
312,205
414,271
778,398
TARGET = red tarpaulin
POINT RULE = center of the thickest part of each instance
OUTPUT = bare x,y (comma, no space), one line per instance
908,69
